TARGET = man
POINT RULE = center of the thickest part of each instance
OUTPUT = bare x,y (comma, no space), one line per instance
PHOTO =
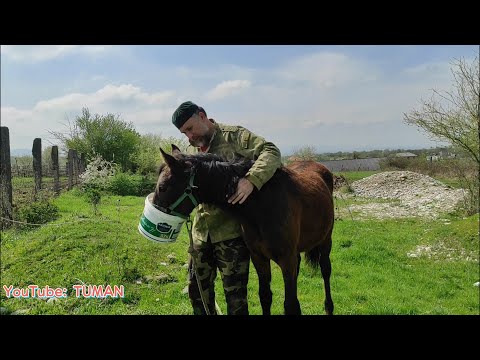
217,236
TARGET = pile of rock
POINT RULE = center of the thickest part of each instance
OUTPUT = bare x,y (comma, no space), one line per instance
417,195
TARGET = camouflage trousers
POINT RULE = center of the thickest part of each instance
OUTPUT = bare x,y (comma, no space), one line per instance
232,259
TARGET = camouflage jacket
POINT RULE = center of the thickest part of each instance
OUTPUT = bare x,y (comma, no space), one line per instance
229,141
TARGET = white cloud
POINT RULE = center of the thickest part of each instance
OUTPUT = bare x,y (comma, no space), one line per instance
227,88
326,70
148,112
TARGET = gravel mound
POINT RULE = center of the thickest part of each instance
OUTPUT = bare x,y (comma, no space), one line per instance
416,195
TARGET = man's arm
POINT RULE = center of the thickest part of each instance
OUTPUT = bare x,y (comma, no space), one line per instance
267,157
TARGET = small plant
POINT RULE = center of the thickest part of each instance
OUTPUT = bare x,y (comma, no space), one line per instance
38,212
93,196
346,189
96,179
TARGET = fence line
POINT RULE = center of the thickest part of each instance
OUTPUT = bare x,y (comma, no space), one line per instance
74,167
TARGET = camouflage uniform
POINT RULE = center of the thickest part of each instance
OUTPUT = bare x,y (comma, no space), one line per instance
217,236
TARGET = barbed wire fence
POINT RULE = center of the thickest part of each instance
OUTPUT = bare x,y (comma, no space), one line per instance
22,183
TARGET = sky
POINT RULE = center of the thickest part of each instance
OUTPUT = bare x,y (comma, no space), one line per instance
328,97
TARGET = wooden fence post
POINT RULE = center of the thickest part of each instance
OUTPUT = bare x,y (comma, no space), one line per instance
5,178
75,167
70,169
37,165
83,163
55,170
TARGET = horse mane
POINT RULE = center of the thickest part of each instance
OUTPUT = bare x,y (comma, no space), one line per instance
222,175
219,179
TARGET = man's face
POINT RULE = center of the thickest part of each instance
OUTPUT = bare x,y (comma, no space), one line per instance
197,130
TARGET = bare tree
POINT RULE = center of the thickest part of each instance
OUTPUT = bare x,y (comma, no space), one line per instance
454,116
306,152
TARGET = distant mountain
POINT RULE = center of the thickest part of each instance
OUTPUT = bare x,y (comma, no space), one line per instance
20,152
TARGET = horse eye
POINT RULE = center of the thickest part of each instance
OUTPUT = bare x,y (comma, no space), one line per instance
162,188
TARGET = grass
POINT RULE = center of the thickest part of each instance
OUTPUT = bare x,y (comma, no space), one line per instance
372,270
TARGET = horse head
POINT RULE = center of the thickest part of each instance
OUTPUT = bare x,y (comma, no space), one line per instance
184,180
175,190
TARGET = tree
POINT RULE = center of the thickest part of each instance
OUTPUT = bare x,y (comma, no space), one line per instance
149,158
454,116
108,136
306,152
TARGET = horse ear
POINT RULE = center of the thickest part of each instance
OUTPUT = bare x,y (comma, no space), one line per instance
176,152
169,159
175,148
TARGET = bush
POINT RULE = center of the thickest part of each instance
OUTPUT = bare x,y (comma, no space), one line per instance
38,212
394,163
124,184
96,179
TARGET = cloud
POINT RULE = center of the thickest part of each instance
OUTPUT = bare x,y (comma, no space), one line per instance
40,53
227,88
109,94
147,111
323,98
326,70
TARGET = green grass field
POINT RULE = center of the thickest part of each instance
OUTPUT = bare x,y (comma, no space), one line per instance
372,271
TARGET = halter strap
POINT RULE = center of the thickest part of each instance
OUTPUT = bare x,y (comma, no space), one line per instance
188,192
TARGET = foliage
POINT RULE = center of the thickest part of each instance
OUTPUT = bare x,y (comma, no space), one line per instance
303,153
98,173
394,163
24,160
454,116
107,135
126,184
96,179
40,211
148,158
47,158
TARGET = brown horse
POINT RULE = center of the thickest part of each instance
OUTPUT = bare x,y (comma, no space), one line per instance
292,213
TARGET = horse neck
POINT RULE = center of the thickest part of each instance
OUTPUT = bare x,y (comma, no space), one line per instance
215,184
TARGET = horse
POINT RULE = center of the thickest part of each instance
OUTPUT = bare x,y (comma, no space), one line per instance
293,213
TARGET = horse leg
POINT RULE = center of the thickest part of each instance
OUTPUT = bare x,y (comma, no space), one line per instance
290,273
264,272
326,268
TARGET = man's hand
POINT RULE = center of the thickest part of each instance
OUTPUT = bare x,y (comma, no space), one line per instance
244,189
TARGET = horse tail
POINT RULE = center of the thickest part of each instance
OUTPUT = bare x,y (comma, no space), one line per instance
312,257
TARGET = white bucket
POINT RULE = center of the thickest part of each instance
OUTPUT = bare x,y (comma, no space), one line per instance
158,226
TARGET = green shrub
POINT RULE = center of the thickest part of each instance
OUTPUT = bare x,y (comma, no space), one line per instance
124,184
38,212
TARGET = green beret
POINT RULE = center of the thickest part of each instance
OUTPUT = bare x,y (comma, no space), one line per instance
183,113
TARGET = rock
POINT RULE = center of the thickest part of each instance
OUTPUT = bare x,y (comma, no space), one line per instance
4,311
